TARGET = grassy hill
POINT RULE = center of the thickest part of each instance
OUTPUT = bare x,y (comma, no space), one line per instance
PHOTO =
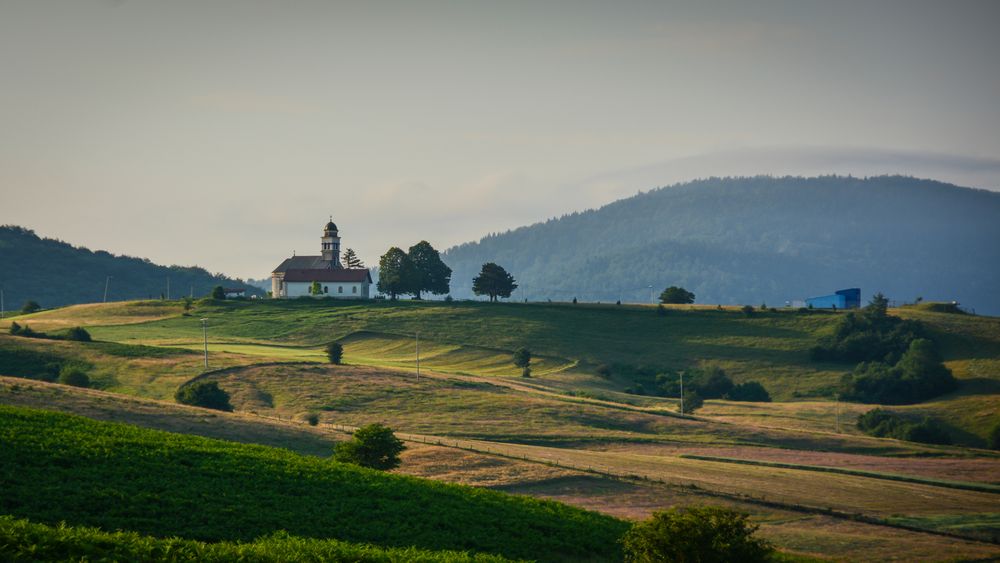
55,273
58,467
761,239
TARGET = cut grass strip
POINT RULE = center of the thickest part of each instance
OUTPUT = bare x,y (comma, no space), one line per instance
963,485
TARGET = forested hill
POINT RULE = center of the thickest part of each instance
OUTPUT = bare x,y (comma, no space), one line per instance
54,273
760,239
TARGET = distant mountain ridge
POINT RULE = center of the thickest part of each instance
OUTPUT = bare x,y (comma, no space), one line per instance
55,273
749,240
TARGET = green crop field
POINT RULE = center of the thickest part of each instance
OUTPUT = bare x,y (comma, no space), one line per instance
58,467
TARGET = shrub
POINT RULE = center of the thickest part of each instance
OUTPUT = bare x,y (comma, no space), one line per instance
661,310
636,389
710,383
15,328
526,371
692,401
218,292
188,302
373,446
78,334
747,310
206,394
696,534
994,439
749,391
72,375
30,307
335,352
869,336
918,375
312,419
604,370
448,299
884,424
522,357
574,300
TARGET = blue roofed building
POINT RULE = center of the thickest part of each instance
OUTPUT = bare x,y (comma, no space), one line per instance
843,299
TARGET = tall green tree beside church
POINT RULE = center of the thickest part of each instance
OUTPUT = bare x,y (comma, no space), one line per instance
429,272
351,260
395,273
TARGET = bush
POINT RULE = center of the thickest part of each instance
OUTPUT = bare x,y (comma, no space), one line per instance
15,329
604,370
78,334
661,310
526,371
869,336
884,424
30,307
218,292
373,446
710,383
749,391
919,375
72,375
701,534
522,358
335,352
747,310
206,394
692,401
994,439
312,419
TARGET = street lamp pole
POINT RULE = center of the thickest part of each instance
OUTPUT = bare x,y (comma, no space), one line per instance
204,330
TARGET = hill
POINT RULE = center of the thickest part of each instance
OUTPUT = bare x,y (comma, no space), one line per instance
55,273
760,239
59,467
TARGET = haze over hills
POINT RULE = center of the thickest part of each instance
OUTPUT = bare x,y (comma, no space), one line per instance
759,239
55,273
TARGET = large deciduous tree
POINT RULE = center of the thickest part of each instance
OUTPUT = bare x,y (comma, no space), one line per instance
429,272
676,295
373,446
494,281
395,275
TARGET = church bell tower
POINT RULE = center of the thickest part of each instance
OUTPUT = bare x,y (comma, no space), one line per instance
331,244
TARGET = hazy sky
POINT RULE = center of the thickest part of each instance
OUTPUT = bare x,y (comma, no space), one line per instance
222,133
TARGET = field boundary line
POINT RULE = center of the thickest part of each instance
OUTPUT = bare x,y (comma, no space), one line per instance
963,485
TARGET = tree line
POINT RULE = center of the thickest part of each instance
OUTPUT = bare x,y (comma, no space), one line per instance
420,270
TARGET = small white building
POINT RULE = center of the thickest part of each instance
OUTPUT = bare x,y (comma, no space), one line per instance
296,275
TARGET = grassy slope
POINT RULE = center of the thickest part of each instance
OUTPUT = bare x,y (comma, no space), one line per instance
58,467
21,540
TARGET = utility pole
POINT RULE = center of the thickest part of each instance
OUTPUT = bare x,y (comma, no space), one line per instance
1,304
204,330
838,413
168,288
107,282
650,293
192,291
418,355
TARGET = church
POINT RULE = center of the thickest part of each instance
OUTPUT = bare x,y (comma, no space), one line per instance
296,275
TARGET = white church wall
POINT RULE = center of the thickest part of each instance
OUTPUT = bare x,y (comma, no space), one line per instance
339,290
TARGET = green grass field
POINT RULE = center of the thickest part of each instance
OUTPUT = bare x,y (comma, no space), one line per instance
58,467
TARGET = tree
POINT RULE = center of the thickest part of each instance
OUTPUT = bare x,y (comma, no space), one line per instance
429,272
15,328
351,260
316,288
335,352
494,281
692,401
72,375
522,359
205,394
79,334
711,383
701,534
30,307
749,391
395,273
676,295
373,446
218,292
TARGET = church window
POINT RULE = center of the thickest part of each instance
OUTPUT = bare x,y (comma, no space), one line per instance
354,289
326,289
340,289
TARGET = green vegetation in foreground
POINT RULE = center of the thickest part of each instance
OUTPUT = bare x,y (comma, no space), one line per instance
21,540
57,467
